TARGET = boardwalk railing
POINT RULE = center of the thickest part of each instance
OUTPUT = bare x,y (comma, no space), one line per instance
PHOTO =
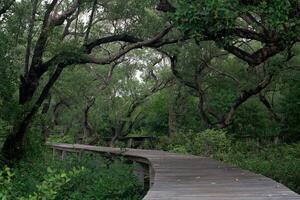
186,177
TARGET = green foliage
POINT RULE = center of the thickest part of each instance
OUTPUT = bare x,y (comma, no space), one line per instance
46,190
155,121
211,143
217,18
252,120
6,176
67,138
209,17
114,182
52,183
279,162
34,145
173,111
276,12
290,106
90,177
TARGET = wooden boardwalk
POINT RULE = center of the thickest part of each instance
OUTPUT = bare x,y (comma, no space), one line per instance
188,177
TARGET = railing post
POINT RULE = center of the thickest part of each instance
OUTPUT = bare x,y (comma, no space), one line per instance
79,154
151,176
53,153
138,171
141,170
63,155
130,142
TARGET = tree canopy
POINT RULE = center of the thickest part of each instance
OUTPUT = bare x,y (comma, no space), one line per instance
92,69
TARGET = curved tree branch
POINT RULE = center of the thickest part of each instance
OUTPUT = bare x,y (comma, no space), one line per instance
243,97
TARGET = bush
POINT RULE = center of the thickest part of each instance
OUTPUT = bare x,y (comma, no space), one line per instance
175,142
90,177
5,183
210,143
53,181
113,183
46,190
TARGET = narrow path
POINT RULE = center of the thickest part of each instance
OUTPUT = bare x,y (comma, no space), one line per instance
188,177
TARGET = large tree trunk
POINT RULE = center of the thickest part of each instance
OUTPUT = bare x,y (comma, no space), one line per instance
44,124
13,148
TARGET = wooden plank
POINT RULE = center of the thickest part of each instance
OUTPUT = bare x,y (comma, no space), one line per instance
186,177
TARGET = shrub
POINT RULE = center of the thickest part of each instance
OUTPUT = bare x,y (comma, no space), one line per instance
53,181
88,177
5,183
113,183
46,190
210,143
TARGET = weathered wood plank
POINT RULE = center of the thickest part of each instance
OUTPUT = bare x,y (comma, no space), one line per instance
188,177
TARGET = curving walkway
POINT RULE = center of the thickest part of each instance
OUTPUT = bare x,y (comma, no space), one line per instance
188,177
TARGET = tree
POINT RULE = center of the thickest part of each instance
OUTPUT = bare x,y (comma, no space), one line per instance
203,75
43,60
256,32
274,25
140,81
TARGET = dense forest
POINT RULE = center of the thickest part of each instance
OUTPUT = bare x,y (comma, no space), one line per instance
218,78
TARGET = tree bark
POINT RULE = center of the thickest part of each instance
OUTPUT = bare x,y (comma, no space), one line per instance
29,37
44,125
13,148
269,107
90,23
165,6
116,136
243,97
87,128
